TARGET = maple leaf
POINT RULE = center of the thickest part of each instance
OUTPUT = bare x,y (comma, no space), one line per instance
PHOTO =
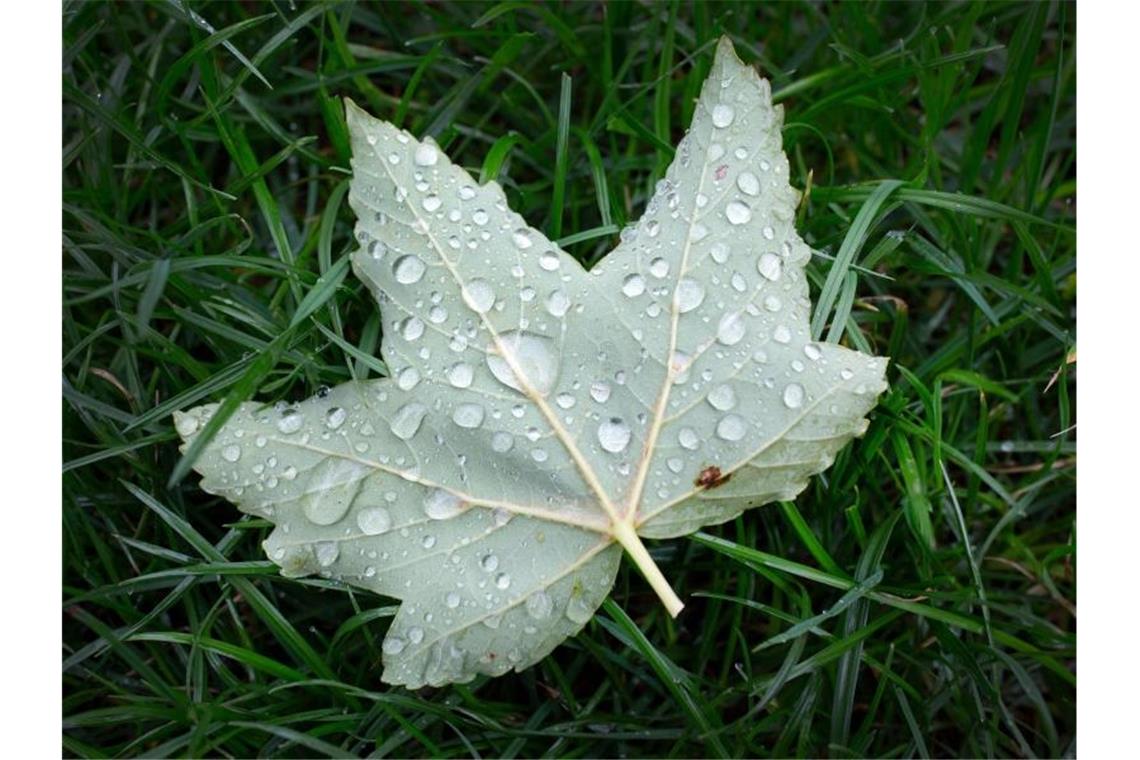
541,418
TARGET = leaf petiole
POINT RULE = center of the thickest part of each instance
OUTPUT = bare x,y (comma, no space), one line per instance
625,535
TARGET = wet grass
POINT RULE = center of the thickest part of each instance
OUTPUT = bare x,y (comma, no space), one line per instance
919,599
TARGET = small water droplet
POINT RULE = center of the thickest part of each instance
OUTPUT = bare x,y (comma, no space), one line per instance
408,377
578,609
335,417
781,334
689,439
231,453
558,303
412,329
393,645
503,581
549,261
461,375
326,552
659,267
466,192
772,303
600,391
719,252
768,233
479,216
431,203
489,563
502,442
812,351
533,354
451,600
565,400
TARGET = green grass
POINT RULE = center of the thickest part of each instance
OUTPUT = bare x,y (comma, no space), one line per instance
918,599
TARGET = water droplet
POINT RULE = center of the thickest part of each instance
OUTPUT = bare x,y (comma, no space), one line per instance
479,295
846,374
533,354
393,158
331,488
768,233
675,464
451,600
719,252
437,315
231,453
374,520
335,417
578,609
812,352
722,398
781,334
688,439
614,435
503,581
479,216
426,155
565,400
408,269
794,396
185,424
408,378
432,203
659,267
326,552
466,192
653,228
502,442
633,285
738,212
698,232
415,634
769,265
461,375
731,329
689,295
722,115
290,421
600,391
557,303
772,303
539,605
412,328
731,427
521,238
440,504
393,645
748,183
549,261
407,420
468,415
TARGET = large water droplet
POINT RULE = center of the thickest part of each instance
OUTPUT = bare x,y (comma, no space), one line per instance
533,354
794,396
722,115
231,453
290,421
557,303
748,183
659,267
614,435
331,488
479,295
440,504
407,420
539,605
431,203
731,427
326,552
690,294
549,261
782,334
468,415
426,155
335,417
578,609
374,520
722,398
633,285
737,212
461,375
769,265
408,269
412,328
408,377
731,329
521,239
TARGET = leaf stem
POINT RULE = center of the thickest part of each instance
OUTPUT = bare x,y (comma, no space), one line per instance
631,542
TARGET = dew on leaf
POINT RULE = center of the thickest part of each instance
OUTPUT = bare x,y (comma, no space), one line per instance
614,435
374,521
408,269
441,504
406,422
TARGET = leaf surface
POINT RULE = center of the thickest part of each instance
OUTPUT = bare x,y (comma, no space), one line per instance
541,418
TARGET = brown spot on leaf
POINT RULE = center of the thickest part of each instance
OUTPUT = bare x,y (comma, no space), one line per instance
710,477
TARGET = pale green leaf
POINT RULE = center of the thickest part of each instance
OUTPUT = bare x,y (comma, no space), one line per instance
539,417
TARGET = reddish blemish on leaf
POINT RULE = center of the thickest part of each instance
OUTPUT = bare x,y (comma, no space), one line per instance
710,477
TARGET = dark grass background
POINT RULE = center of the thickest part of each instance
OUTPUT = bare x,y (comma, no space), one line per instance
918,599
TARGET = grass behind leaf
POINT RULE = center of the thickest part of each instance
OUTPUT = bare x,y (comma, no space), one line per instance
917,599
